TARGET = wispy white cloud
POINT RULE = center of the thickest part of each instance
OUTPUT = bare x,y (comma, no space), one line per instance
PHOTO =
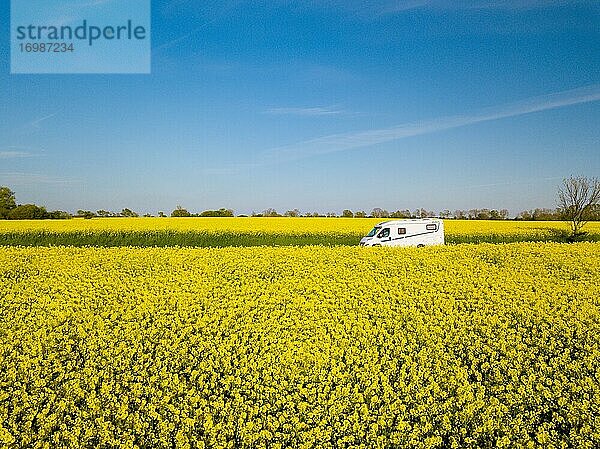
13,154
177,40
400,6
226,171
18,178
203,9
35,124
504,4
532,181
97,2
349,141
385,7
362,139
358,8
378,8
211,11
82,4
306,111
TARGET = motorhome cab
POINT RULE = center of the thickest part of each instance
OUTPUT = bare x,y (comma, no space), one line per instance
418,232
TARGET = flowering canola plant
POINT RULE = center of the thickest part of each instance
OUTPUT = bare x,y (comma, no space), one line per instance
308,347
286,225
254,231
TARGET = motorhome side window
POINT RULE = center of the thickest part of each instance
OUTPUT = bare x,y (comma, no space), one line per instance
431,227
401,231
384,233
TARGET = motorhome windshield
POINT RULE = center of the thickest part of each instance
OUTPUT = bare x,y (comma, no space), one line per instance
374,231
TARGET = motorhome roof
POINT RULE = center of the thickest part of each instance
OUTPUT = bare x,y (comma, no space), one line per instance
408,220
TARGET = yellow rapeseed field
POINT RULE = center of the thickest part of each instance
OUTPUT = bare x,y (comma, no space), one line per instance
275,225
312,347
244,231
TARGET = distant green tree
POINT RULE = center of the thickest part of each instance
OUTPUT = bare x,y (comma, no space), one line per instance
104,213
360,214
547,214
7,201
400,214
483,214
87,214
347,213
525,215
128,213
217,213
162,214
594,213
28,212
180,212
59,215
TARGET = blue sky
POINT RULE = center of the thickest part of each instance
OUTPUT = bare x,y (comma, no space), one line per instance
318,105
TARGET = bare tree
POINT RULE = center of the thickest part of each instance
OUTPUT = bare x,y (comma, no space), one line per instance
577,198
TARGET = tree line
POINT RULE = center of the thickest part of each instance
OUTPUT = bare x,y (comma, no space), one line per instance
128,213
11,211
578,202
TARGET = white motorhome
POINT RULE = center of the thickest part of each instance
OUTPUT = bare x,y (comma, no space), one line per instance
416,232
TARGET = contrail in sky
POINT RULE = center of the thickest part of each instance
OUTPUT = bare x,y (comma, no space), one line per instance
349,141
